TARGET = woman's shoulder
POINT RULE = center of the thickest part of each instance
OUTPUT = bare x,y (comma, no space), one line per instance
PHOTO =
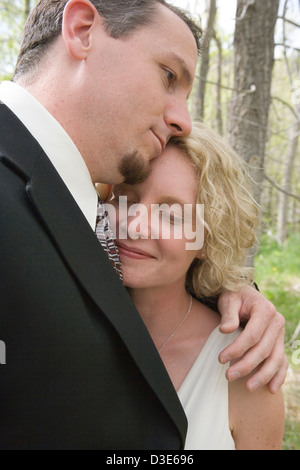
206,315
206,327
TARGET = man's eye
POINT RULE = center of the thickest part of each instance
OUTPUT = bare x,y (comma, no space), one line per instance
171,76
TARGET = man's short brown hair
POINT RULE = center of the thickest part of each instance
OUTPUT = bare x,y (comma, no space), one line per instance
121,17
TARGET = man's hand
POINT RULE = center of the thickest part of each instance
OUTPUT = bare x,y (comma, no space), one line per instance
260,347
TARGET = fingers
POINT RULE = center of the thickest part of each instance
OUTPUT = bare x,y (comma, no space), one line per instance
266,356
262,331
273,370
259,350
269,375
274,366
229,305
278,381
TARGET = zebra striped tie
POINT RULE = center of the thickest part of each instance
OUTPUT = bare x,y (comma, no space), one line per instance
106,237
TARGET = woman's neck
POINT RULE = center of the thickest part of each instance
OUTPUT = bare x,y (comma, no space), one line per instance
161,309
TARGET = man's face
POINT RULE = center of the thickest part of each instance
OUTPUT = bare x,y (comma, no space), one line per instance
138,89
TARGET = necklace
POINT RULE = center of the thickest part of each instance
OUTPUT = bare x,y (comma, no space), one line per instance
178,327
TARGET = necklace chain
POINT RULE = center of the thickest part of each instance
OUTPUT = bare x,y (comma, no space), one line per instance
179,326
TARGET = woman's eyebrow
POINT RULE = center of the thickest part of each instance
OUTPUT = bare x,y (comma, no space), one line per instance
170,200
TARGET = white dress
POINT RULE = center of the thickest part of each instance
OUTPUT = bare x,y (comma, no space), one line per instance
204,397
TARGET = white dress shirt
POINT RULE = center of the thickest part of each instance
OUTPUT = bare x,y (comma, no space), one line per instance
56,143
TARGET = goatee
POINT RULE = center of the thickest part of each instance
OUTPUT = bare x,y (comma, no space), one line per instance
135,168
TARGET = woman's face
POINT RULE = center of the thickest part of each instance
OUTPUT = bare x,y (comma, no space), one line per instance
152,238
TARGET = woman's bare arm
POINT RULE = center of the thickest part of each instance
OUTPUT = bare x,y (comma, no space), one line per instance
256,419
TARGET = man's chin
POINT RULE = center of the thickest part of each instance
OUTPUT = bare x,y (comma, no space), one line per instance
135,168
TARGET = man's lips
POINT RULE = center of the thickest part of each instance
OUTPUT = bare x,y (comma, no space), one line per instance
161,141
132,252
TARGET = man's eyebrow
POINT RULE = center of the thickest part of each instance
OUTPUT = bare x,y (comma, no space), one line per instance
182,64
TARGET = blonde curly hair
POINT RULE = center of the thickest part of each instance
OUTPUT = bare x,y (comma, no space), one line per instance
231,214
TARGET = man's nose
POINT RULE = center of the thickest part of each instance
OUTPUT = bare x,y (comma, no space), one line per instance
178,119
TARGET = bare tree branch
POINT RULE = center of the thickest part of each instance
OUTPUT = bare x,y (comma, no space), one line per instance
278,44
275,185
216,84
289,21
288,105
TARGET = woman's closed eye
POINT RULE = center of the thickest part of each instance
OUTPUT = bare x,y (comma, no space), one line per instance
171,217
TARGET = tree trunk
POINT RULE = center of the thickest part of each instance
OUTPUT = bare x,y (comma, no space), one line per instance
204,67
27,9
219,84
250,103
282,219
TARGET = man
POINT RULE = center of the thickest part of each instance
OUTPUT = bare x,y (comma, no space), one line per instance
100,87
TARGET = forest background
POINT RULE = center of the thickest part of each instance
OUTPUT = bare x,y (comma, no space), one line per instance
248,89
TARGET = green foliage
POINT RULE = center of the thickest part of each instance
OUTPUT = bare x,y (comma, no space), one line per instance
292,433
278,276
12,19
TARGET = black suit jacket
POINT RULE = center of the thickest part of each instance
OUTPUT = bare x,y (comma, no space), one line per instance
81,369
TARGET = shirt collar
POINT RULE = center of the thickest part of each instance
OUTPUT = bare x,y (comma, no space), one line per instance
57,144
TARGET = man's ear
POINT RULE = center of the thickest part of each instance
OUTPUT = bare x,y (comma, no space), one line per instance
79,20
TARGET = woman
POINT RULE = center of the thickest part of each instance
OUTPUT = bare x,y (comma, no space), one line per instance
160,273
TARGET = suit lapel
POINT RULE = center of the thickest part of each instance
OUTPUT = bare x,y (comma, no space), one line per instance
79,247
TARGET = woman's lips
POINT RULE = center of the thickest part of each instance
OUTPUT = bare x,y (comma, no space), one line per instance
132,252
